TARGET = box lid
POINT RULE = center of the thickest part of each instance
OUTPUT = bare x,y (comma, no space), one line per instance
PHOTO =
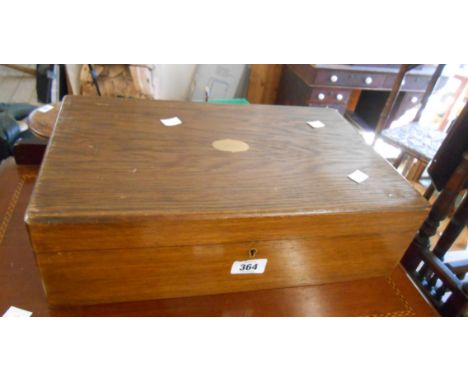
111,162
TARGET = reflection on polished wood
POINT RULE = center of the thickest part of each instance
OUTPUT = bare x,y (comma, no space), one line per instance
20,284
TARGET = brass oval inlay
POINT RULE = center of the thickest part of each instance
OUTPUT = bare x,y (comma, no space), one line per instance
230,145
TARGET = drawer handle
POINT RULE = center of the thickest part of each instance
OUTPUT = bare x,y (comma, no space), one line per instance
321,96
368,80
339,97
414,99
334,78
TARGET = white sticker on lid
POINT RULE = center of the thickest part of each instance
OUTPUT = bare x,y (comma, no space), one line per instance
13,311
174,121
316,124
358,176
249,266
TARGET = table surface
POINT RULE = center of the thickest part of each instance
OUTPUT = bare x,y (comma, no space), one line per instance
20,283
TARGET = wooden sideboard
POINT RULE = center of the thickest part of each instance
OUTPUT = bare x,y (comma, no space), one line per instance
359,90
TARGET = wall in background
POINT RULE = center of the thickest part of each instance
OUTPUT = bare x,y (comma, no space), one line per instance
73,72
174,80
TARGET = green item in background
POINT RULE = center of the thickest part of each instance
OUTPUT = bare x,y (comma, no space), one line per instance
233,101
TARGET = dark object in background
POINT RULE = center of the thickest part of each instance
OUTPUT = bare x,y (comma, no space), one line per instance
17,110
63,87
29,149
44,78
9,132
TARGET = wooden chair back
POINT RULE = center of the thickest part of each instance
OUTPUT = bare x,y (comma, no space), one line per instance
443,282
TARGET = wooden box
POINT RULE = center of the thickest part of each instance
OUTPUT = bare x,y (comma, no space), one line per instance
126,208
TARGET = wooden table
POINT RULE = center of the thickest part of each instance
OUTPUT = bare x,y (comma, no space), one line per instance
20,283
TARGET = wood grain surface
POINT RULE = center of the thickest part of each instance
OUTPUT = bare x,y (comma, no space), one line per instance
20,283
113,159
120,196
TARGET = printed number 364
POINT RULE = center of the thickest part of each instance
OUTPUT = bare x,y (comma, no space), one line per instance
248,267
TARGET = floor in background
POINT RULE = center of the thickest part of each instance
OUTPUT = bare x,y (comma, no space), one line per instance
16,86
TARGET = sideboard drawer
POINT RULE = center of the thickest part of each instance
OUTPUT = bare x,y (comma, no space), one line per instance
410,83
327,96
338,78
416,83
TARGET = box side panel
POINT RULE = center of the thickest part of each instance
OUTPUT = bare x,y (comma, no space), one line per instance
92,277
